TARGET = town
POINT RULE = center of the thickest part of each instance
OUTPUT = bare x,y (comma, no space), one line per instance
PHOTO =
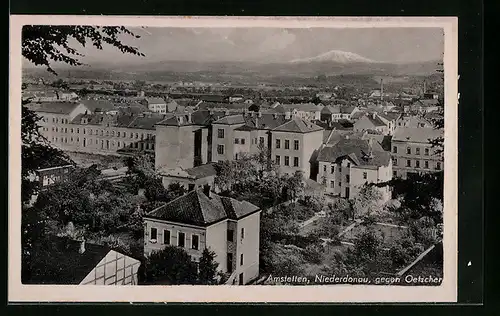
331,161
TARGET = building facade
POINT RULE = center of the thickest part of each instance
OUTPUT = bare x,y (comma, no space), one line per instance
202,219
413,153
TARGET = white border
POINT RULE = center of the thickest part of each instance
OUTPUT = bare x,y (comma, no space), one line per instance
447,292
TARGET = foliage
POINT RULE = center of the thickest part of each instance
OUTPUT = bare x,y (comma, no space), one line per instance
171,265
207,273
368,201
283,260
404,251
314,253
43,44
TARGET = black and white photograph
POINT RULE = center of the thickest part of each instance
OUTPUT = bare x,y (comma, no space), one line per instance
293,157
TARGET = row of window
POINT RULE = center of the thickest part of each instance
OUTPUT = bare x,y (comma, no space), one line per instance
287,161
417,164
132,135
287,144
260,140
56,120
107,144
181,238
347,180
332,168
408,151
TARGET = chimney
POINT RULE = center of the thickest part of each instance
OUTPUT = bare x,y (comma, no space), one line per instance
190,120
82,246
260,114
206,190
381,89
374,115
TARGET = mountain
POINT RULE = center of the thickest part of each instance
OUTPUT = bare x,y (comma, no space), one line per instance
336,56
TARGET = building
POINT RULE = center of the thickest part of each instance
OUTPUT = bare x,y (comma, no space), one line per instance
53,173
191,178
330,113
202,219
425,106
413,121
155,104
62,260
351,162
413,153
294,145
372,123
306,111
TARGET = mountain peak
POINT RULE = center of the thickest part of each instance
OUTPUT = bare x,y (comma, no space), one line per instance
337,56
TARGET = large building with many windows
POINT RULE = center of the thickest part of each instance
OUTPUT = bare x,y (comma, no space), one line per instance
201,219
413,153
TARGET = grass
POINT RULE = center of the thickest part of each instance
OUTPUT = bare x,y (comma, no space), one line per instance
388,233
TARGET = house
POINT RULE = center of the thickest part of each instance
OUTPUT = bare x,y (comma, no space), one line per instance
390,119
155,104
202,219
413,153
307,111
349,163
196,177
330,113
62,260
53,172
413,121
236,98
425,106
67,95
100,106
294,145
372,123
347,112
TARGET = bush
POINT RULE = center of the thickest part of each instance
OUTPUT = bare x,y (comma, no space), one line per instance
314,254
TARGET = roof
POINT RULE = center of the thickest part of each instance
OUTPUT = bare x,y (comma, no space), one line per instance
53,107
96,105
306,107
121,120
155,100
347,109
231,120
357,150
428,102
416,134
330,109
202,171
198,209
390,116
57,260
298,125
376,121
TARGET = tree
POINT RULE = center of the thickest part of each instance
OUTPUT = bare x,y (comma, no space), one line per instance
207,268
368,201
171,265
43,44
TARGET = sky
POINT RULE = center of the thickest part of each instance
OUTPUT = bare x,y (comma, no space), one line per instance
397,45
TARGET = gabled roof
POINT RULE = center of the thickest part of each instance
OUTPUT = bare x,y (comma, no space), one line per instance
57,260
231,120
155,100
196,208
306,107
96,105
298,125
390,116
427,102
53,107
358,151
330,109
416,134
202,171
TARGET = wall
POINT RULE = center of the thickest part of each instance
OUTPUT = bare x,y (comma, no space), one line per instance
114,269
400,158
174,147
248,246
290,152
227,142
174,228
217,242
357,180
199,183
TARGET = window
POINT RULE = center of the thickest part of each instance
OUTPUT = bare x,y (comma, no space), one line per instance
278,143
340,183
278,160
287,161
408,163
332,169
229,262
408,150
78,131
426,164
295,161
220,133
395,162
332,184
131,135
84,131
365,175
347,178
220,149
242,232
154,234
166,237
261,140
296,144
417,164
236,140
243,141
112,133
426,151
324,168
348,165
230,235
395,149
394,174
241,259
195,240
118,134
287,144
438,166
417,151
181,239
340,169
